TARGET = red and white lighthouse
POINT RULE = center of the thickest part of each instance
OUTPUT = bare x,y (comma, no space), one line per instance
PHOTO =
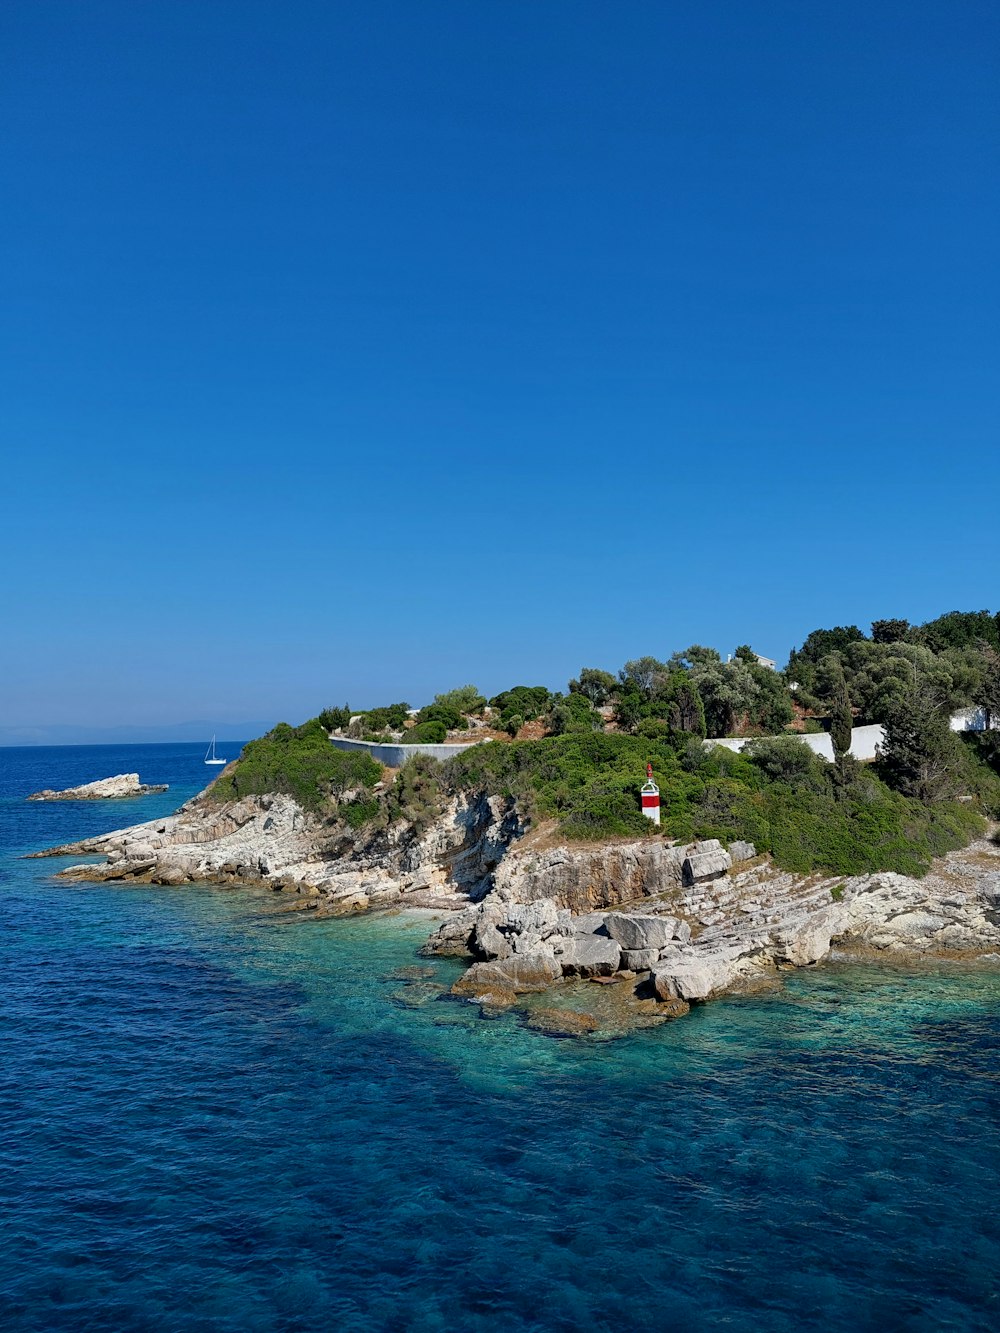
650,794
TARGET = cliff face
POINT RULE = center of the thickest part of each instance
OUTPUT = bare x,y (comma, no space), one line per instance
583,879
691,922
698,927
271,839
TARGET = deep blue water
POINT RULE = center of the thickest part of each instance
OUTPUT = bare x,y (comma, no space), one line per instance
213,1116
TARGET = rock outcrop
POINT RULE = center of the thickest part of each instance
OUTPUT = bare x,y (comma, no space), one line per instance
270,839
104,789
695,931
678,924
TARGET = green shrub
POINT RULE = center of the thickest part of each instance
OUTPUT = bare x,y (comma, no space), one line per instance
298,762
335,719
426,733
359,813
445,713
466,699
391,718
417,795
521,704
781,797
573,712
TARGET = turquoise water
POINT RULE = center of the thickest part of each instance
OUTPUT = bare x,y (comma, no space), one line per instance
217,1116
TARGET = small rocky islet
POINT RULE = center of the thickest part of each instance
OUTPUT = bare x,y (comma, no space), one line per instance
121,786
541,926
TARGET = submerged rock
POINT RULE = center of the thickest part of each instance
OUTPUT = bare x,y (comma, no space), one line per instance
589,956
521,973
562,1022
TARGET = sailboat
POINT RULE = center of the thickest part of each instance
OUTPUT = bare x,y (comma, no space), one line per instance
210,755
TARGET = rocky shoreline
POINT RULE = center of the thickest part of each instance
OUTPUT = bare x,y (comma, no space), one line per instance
104,789
665,926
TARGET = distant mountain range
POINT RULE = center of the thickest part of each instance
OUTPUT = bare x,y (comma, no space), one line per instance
200,731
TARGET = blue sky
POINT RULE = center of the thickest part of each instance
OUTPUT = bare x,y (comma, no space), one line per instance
353,352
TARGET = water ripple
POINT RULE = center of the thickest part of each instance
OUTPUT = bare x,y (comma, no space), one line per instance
210,1123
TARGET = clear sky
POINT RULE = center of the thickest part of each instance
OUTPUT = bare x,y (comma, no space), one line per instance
353,351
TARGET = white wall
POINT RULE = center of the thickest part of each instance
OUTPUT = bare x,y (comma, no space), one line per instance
973,719
394,756
864,742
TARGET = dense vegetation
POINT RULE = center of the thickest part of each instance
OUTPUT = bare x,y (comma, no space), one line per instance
299,762
809,814
926,794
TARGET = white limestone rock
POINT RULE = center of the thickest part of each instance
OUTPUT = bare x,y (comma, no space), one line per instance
809,942
701,866
104,789
639,931
520,974
589,956
639,960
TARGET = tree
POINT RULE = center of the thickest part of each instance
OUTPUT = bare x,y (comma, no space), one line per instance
774,708
879,673
919,755
629,706
960,629
841,717
466,699
695,656
573,713
522,703
446,714
889,631
596,685
988,691
649,674
685,710
334,719
819,644
729,693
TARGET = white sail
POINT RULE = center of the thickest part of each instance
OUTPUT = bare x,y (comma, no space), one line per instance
210,757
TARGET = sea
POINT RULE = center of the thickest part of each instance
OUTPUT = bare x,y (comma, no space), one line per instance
220,1114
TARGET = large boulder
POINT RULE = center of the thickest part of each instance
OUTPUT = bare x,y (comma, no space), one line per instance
640,960
742,851
454,937
521,973
639,931
536,918
590,923
589,956
700,867
488,942
139,851
693,977
808,942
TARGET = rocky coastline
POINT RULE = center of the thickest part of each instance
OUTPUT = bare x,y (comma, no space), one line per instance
666,926
104,789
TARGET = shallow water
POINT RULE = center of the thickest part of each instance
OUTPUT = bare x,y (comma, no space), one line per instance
216,1116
